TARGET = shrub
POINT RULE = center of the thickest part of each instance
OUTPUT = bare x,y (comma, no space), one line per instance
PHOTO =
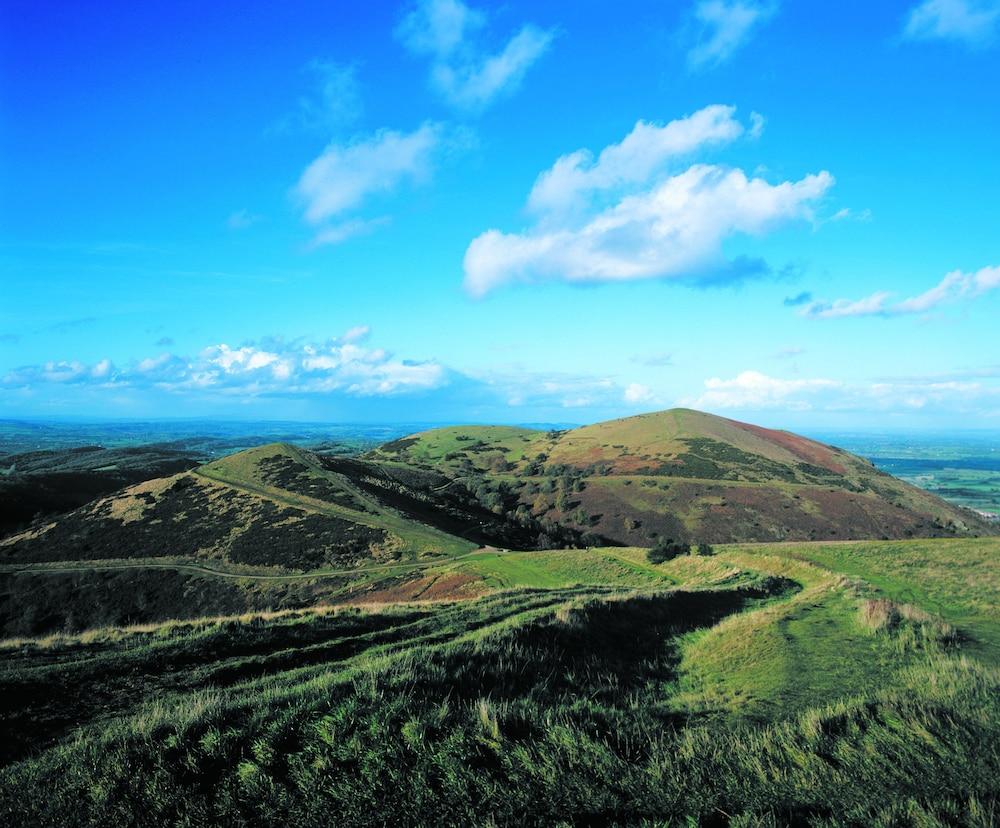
705,549
667,549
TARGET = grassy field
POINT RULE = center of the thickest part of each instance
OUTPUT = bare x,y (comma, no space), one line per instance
785,684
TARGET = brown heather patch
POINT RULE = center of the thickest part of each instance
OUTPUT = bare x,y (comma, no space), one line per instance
807,450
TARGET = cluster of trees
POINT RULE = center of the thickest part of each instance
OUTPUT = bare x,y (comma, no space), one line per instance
667,549
501,498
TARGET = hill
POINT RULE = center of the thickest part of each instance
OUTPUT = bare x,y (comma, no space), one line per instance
689,476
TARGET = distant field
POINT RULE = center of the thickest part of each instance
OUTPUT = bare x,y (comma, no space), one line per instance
963,468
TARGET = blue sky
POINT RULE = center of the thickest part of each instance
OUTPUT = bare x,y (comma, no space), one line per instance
520,212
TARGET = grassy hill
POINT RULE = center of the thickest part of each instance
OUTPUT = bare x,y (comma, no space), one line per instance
272,506
689,476
816,684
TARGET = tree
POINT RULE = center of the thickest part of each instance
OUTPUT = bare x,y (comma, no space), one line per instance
705,549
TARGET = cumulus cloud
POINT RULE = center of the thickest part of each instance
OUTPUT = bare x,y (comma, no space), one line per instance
274,367
656,224
632,212
955,286
724,26
463,71
973,22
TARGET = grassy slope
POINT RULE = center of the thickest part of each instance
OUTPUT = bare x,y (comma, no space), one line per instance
736,696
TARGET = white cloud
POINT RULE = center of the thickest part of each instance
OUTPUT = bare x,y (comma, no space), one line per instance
345,175
466,76
973,22
955,286
847,214
725,25
674,229
633,160
636,393
339,365
869,306
439,27
753,391
629,214
355,334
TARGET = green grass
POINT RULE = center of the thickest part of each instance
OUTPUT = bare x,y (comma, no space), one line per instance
753,687
958,580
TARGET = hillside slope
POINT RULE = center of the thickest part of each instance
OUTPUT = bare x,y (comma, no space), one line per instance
689,476
39,483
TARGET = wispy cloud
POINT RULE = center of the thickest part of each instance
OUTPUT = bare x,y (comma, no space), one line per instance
752,389
972,22
577,177
723,27
347,175
625,216
789,353
242,219
955,286
332,102
338,233
463,71
660,359
344,175
798,299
